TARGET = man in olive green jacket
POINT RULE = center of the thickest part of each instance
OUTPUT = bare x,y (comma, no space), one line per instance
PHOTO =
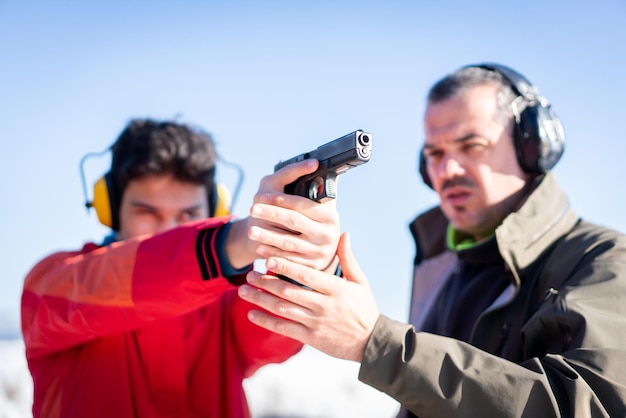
518,307
552,344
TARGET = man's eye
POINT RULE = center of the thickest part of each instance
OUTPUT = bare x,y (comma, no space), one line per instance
433,154
191,215
143,211
471,146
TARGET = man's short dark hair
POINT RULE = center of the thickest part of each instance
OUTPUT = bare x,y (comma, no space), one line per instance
147,147
469,77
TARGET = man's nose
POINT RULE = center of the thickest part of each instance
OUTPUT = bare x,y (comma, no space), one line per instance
449,167
167,223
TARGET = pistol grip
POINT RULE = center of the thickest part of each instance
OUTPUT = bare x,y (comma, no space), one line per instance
319,187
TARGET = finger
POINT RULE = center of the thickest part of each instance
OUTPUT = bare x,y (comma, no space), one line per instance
274,207
264,300
300,239
275,290
351,269
316,280
279,325
276,215
298,169
288,174
277,297
304,216
294,247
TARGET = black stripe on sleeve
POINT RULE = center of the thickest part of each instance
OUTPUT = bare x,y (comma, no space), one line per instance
205,255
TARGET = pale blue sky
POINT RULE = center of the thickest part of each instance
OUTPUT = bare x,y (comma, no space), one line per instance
271,79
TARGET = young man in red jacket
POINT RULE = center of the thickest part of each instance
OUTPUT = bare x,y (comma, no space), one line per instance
148,324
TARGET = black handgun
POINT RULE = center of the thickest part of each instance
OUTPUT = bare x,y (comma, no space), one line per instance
335,157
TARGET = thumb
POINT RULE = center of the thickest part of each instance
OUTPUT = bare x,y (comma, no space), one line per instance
291,172
350,268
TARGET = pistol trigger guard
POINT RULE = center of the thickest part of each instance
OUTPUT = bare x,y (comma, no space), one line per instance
317,188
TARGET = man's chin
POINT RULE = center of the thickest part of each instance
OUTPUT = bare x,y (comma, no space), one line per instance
463,223
457,216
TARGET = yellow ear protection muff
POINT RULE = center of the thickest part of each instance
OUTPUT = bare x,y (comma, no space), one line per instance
223,201
539,137
219,201
105,203
105,196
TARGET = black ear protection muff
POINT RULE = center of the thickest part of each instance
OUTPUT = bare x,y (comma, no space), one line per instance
538,136
107,199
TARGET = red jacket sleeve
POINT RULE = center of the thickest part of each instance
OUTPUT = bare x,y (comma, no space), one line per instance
73,297
257,346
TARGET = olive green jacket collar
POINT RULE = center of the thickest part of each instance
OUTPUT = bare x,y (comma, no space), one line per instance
544,217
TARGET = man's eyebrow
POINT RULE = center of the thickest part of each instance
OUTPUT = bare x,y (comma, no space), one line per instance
194,207
142,205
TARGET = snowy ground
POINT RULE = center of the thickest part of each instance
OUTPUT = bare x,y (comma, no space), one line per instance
309,385
16,388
